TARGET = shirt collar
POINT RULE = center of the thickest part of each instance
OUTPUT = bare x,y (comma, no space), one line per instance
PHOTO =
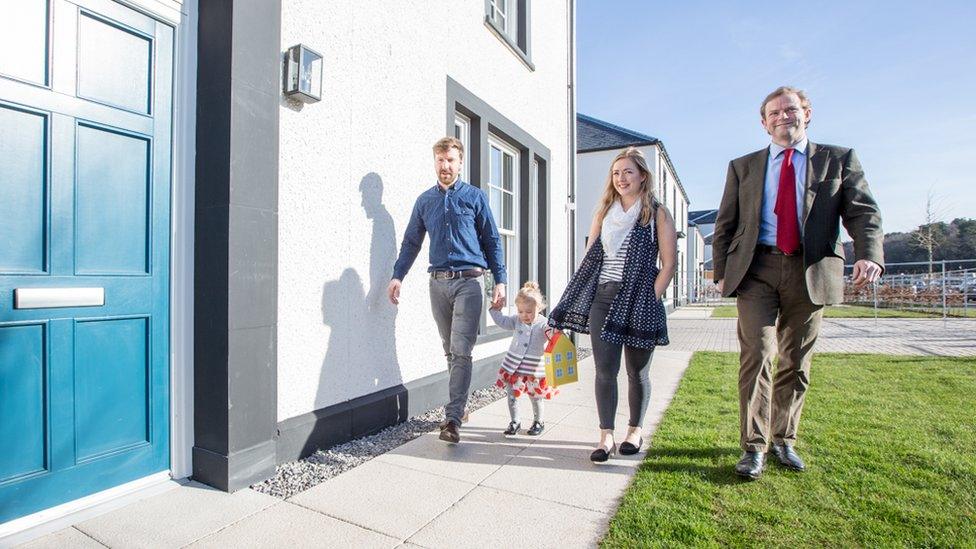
801,148
456,185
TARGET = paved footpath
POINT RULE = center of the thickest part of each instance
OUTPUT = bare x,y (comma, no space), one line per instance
690,331
489,491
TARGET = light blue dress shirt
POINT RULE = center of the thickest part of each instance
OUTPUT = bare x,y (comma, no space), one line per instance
767,228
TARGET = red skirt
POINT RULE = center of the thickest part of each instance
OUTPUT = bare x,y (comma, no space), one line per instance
534,387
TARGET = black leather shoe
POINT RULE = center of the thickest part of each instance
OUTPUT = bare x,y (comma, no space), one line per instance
536,429
788,457
450,432
602,454
629,449
751,465
513,428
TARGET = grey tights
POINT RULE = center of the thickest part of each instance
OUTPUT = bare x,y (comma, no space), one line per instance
607,358
513,408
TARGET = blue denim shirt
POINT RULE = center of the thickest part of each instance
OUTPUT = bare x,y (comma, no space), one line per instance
463,234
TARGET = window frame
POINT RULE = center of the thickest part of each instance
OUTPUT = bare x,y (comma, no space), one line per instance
462,131
514,28
513,235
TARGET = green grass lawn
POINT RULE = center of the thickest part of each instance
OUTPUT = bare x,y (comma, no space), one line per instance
890,448
856,311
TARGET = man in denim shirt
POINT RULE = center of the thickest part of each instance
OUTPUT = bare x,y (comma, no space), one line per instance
464,242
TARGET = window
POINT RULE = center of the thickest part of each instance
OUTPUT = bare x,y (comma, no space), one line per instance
502,190
462,131
501,12
509,19
511,168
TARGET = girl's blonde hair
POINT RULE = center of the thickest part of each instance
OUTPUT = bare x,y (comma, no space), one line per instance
646,191
530,292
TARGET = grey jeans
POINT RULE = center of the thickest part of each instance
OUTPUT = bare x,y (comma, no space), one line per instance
607,358
456,305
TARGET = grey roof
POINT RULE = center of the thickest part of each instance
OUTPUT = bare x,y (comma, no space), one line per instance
702,217
597,135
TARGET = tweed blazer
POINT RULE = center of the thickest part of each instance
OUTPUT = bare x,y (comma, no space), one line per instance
836,193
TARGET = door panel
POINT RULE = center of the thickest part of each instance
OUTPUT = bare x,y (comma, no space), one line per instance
85,172
23,432
113,64
24,41
111,392
23,210
112,170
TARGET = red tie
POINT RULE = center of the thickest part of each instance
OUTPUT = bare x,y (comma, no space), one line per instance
787,227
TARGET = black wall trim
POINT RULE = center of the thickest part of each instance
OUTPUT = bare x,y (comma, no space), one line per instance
302,435
236,235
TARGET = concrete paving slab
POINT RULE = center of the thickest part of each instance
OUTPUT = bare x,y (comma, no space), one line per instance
582,416
175,518
69,537
469,461
288,525
493,518
571,441
570,480
384,497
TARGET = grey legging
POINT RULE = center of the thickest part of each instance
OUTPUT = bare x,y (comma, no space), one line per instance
607,358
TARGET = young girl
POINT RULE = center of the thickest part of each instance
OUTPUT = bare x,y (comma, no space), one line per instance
523,371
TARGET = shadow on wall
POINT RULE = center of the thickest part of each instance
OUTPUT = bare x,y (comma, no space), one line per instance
361,355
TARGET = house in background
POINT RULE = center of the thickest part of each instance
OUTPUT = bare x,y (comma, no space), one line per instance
696,264
705,220
597,143
195,266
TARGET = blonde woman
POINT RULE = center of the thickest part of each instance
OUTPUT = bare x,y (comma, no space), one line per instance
615,294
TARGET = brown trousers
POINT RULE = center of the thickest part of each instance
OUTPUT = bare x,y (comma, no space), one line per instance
774,308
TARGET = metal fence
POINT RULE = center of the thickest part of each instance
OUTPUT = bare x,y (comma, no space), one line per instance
944,289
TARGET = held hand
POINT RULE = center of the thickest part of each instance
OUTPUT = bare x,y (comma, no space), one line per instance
498,297
721,284
865,272
393,291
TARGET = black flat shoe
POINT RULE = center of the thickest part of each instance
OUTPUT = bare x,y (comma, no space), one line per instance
751,465
628,449
788,457
536,429
513,429
601,454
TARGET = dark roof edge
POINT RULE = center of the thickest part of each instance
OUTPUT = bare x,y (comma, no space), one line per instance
635,144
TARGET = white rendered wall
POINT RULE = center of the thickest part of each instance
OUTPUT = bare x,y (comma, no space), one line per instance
384,104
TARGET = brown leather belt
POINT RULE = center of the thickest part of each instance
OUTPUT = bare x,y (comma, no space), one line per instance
767,249
451,275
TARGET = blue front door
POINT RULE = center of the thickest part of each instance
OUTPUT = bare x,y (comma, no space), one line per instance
85,150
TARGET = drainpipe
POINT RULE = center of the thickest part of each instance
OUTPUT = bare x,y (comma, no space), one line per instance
571,118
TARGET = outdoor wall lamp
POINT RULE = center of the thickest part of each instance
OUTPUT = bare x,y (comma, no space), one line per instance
303,74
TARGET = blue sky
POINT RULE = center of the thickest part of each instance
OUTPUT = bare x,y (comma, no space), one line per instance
895,80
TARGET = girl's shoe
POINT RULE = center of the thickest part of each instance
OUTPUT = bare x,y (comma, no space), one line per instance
536,429
602,454
513,428
629,449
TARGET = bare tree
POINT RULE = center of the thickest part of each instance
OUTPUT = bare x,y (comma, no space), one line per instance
925,236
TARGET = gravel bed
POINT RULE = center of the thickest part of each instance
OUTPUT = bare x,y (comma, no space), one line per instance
297,476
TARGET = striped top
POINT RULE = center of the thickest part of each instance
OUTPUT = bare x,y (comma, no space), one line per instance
613,267
524,356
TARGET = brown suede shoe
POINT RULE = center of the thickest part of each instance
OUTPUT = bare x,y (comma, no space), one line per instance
450,432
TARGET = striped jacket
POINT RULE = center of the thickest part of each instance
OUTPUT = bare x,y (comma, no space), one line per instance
524,356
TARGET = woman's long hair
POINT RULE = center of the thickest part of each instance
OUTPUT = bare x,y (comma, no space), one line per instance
646,190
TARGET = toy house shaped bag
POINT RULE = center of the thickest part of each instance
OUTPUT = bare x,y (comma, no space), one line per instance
560,360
